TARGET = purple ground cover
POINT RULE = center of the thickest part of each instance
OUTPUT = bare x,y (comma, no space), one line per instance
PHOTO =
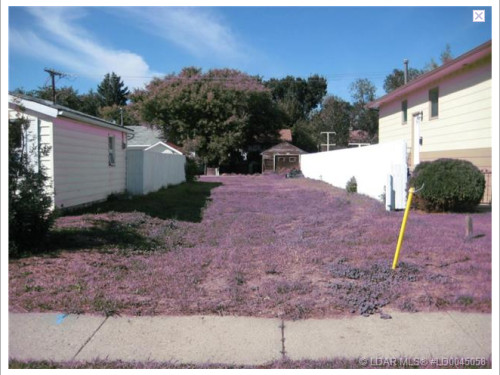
267,246
336,363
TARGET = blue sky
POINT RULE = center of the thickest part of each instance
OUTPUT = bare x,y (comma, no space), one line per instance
339,43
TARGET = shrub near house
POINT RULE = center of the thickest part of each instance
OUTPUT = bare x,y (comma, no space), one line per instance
450,185
30,214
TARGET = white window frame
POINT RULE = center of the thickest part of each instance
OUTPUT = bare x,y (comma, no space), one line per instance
111,150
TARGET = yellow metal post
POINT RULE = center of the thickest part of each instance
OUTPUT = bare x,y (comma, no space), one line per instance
403,227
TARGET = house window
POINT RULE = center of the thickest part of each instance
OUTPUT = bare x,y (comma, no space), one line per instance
404,111
433,101
292,159
111,150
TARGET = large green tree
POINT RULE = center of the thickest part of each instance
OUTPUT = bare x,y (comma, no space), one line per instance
397,78
90,103
221,111
66,96
297,97
112,91
363,118
335,116
118,115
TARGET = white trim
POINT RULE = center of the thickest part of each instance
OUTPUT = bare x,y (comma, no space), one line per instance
165,145
15,102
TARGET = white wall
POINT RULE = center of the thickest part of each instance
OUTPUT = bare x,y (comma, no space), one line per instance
149,171
82,173
370,166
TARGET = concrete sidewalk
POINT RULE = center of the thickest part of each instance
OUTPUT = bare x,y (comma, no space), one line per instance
247,341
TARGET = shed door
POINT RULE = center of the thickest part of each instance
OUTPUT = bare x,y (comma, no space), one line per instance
268,165
417,120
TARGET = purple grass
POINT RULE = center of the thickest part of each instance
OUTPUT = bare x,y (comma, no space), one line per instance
267,246
335,363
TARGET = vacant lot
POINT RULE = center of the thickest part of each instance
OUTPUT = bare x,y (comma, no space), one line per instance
266,246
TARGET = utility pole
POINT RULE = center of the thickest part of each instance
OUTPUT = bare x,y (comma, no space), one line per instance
328,139
54,73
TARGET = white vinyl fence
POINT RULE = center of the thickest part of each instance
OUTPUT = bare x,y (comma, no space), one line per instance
375,168
148,171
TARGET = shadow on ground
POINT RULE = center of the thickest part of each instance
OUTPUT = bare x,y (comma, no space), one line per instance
103,234
183,202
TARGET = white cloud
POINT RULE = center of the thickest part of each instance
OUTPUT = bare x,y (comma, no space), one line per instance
74,48
197,30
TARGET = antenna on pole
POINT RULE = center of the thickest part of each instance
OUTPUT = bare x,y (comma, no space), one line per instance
328,139
54,73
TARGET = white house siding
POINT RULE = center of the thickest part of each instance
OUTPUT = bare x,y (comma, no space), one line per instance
82,171
148,171
463,127
39,135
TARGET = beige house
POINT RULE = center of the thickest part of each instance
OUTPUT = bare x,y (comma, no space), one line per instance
445,113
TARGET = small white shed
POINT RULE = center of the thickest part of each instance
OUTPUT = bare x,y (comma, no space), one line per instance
86,162
152,162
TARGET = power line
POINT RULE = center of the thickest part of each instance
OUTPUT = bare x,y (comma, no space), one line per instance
54,73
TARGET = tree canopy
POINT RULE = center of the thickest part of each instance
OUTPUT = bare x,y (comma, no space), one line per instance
66,96
335,116
112,91
297,97
396,78
221,111
363,92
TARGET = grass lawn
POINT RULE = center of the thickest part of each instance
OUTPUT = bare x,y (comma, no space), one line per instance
263,246
181,202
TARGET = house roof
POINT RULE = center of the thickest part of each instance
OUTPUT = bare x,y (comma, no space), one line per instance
286,135
144,136
284,148
175,147
423,80
55,110
148,137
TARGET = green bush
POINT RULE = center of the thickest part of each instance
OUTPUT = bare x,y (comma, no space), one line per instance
450,185
352,185
30,213
192,170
